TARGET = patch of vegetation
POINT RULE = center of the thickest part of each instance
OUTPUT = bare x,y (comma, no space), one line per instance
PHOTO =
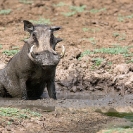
98,61
128,116
74,10
90,29
116,34
121,18
114,50
13,51
41,21
10,52
78,8
118,130
15,47
13,113
85,29
69,14
129,61
86,52
128,55
92,40
120,36
109,63
17,113
26,1
60,4
94,11
24,39
1,46
5,12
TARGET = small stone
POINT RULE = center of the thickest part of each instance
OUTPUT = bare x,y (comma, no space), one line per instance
121,69
2,65
8,129
80,88
73,89
91,88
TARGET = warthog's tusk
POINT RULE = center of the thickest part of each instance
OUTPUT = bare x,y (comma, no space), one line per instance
29,54
31,49
63,52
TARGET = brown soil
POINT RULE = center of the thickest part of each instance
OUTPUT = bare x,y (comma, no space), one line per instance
108,26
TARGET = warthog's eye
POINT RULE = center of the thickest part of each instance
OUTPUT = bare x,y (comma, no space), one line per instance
34,36
36,54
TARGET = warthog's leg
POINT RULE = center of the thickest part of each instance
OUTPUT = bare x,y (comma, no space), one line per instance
23,89
2,92
51,89
2,80
34,91
39,90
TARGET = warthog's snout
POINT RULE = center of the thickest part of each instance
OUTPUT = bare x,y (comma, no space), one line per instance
45,58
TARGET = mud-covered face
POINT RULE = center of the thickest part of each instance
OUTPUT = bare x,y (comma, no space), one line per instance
43,43
45,58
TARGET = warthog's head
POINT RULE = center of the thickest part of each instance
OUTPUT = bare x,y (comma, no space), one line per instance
43,42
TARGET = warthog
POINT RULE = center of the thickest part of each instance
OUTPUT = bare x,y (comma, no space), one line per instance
33,68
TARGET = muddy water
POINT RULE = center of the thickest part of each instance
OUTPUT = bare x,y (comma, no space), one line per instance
102,103
126,120
80,102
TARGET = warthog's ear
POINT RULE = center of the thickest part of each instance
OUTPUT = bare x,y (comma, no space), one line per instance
28,26
58,40
55,28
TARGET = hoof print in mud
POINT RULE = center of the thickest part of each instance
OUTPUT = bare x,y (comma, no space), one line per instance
33,68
